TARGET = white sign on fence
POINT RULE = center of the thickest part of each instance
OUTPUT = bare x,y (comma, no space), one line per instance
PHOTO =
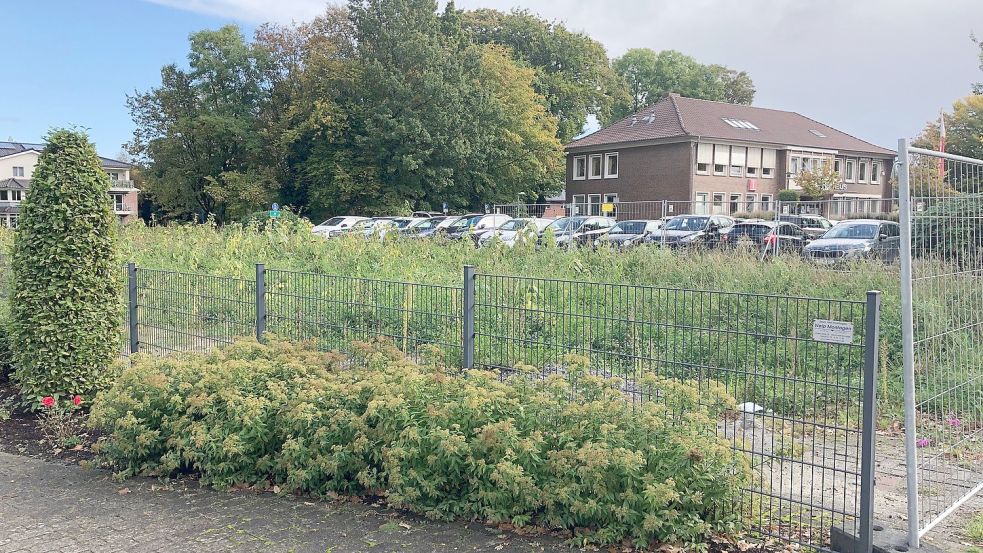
833,332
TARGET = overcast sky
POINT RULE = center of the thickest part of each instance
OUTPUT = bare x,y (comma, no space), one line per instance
878,69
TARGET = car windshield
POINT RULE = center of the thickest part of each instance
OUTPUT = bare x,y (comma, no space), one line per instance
858,231
332,222
426,224
568,224
629,227
460,223
402,223
687,223
514,224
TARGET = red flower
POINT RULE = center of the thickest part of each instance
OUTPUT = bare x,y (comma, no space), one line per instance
77,400
48,401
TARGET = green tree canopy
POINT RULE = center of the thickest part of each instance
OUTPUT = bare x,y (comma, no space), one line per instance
572,71
198,133
648,76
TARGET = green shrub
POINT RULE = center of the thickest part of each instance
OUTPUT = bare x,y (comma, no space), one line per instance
441,444
65,308
788,196
952,230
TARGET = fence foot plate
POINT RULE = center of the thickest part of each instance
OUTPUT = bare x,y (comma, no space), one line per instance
886,540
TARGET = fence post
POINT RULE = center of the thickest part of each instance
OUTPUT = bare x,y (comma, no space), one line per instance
468,322
908,344
131,286
869,423
260,301
662,233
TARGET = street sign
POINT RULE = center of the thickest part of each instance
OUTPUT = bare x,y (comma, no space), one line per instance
276,207
274,214
445,208
607,208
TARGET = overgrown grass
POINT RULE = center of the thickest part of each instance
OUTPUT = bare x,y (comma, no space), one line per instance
234,250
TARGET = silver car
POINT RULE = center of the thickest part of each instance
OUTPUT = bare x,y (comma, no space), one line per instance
856,239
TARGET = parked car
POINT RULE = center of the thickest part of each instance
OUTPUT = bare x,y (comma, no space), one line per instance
427,226
428,214
376,226
630,233
766,234
856,239
403,223
515,231
337,225
813,225
572,231
692,230
475,223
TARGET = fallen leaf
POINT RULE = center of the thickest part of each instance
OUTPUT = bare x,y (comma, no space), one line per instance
276,489
123,491
405,525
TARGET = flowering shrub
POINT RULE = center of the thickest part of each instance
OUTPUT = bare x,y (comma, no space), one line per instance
443,444
62,421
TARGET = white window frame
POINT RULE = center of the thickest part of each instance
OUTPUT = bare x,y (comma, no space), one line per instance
576,205
721,158
794,165
751,171
701,201
863,168
722,172
767,172
736,171
749,205
113,175
735,198
576,159
607,158
718,202
590,167
849,170
765,202
16,196
768,167
875,172
837,165
18,171
704,157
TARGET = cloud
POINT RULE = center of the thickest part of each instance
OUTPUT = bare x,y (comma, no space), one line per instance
252,11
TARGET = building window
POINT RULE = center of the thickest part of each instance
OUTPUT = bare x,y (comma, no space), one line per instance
875,172
12,220
752,171
837,166
4,195
862,173
579,204
704,158
736,170
749,201
793,165
766,202
718,202
118,203
611,166
701,204
15,195
738,159
767,163
735,203
595,167
848,172
18,171
113,176
580,168
721,159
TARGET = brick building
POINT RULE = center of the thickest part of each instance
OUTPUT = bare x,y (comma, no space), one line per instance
726,158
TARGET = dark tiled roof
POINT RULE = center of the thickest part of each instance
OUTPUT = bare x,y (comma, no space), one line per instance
15,184
11,148
676,116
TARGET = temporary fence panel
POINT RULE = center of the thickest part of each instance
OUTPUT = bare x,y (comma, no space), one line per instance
796,367
180,312
942,318
336,311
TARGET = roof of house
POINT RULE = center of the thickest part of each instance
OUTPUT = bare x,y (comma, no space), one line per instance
11,148
15,184
676,116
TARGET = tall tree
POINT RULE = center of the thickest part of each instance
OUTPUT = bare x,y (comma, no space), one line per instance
649,76
433,114
571,69
963,126
198,132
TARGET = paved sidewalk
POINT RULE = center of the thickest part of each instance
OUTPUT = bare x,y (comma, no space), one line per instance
49,507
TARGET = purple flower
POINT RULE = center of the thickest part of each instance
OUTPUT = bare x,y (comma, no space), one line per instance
953,420
923,442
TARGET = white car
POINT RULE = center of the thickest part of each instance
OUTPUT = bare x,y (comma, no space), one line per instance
337,225
515,231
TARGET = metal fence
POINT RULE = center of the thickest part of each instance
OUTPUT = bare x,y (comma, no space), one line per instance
735,205
942,318
806,411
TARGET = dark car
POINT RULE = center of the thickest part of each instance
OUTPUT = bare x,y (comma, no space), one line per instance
629,233
692,231
572,231
856,239
813,226
766,235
